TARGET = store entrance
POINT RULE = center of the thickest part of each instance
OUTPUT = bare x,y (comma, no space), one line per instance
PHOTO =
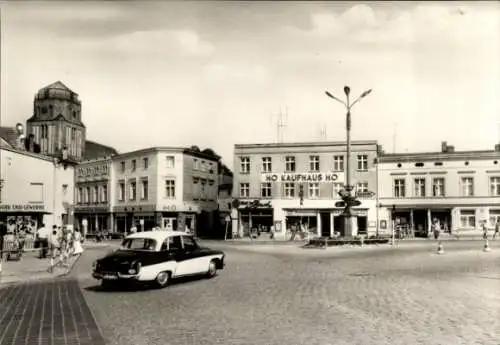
326,224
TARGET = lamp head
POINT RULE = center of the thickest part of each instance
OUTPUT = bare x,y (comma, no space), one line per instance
347,90
366,93
19,128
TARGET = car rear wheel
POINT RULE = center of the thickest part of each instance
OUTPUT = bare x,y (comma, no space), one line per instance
212,269
162,279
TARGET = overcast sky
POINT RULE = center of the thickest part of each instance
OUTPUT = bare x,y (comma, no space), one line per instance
217,73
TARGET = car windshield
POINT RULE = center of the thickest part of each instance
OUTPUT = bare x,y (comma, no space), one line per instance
138,244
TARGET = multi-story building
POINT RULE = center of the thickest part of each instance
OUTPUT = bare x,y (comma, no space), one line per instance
173,188
94,190
459,188
35,189
269,178
225,198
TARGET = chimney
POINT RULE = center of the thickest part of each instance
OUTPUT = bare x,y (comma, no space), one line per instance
444,146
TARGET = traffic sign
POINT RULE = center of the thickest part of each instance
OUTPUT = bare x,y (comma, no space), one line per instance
85,222
141,221
340,204
227,219
355,203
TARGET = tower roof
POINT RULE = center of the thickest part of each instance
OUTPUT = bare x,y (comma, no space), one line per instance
57,90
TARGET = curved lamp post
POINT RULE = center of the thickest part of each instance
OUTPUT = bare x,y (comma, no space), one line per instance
347,196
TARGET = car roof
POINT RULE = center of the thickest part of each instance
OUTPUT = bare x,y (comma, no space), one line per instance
157,235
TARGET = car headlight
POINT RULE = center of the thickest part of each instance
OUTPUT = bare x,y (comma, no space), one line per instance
136,267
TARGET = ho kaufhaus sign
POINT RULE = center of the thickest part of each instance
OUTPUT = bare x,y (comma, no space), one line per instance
300,177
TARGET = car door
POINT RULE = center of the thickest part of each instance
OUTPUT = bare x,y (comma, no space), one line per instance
195,262
177,251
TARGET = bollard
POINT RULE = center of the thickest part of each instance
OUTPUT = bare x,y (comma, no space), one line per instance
486,246
440,249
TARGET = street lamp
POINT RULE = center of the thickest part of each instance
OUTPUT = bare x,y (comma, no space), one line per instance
347,197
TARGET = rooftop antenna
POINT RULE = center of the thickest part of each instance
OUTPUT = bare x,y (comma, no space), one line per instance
322,133
394,136
281,123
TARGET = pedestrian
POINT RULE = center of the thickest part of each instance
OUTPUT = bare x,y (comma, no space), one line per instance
54,248
497,228
437,229
3,232
485,231
42,239
133,229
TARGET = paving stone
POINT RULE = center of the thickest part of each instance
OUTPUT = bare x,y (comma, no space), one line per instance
52,313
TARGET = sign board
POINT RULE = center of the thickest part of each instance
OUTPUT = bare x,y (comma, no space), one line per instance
227,219
141,221
171,208
300,177
21,208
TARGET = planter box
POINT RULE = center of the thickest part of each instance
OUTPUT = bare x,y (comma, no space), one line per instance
320,242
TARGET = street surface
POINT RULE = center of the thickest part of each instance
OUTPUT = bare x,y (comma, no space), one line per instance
288,296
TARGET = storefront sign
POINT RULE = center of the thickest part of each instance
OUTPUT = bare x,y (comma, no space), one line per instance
170,208
300,177
21,208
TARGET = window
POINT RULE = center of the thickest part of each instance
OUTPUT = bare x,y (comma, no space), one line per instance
314,163
362,187
196,164
419,187
289,164
170,162
267,165
139,244
337,188
133,190
467,186
85,196
144,189
313,190
189,243
44,130
467,219
289,189
95,194
104,195
134,164
79,196
265,190
169,188
494,217
495,186
399,188
244,165
362,162
122,166
88,195
244,190
174,243
338,163
438,187
145,163
121,191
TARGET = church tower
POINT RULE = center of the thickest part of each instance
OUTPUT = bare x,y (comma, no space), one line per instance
57,122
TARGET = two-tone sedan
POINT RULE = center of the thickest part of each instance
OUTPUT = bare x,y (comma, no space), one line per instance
157,257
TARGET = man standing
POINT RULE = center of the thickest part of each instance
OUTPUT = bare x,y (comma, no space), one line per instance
485,231
497,228
42,236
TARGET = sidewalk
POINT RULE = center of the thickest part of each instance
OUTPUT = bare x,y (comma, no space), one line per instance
31,268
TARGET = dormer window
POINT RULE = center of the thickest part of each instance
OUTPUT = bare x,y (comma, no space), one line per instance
419,165
44,110
74,114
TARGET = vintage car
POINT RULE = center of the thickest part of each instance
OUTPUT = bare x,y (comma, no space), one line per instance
157,257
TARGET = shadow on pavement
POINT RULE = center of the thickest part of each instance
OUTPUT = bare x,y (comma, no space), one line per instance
137,286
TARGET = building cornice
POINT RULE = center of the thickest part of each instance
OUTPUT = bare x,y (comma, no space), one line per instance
165,149
438,156
304,144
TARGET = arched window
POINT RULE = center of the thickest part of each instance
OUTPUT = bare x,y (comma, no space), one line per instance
51,110
74,114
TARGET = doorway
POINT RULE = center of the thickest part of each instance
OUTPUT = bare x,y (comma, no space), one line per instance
338,225
326,224
362,225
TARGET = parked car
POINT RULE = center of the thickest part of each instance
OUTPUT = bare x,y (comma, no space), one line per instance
157,257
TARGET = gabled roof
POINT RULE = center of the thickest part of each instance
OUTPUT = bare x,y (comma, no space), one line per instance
95,150
57,85
9,135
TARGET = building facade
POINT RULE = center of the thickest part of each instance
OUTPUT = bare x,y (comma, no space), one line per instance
459,189
94,191
269,178
35,189
173,188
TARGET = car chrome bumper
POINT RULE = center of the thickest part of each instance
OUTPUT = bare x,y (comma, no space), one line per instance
117,276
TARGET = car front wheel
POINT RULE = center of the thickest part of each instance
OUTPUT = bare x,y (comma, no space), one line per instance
212,269
107,284
162,279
